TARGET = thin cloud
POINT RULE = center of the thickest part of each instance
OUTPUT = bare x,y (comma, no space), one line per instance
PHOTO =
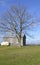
2,2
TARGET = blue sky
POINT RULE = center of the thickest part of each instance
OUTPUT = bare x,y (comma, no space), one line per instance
33,7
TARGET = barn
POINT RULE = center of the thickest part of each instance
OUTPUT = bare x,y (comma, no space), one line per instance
13,41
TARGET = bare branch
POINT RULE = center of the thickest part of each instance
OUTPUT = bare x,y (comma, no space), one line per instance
16,20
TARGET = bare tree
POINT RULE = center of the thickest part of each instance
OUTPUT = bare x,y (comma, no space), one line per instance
17,20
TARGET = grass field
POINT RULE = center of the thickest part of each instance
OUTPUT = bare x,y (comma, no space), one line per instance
27,55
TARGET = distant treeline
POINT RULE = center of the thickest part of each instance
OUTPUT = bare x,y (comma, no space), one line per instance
32,44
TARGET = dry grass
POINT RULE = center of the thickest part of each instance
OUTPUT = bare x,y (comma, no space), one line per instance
28,55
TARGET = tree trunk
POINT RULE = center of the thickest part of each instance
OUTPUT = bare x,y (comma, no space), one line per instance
20,41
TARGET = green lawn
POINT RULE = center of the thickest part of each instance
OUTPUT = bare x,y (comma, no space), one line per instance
28,55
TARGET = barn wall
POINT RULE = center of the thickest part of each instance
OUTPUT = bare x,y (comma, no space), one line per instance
13,41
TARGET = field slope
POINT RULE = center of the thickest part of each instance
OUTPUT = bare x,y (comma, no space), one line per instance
27,55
